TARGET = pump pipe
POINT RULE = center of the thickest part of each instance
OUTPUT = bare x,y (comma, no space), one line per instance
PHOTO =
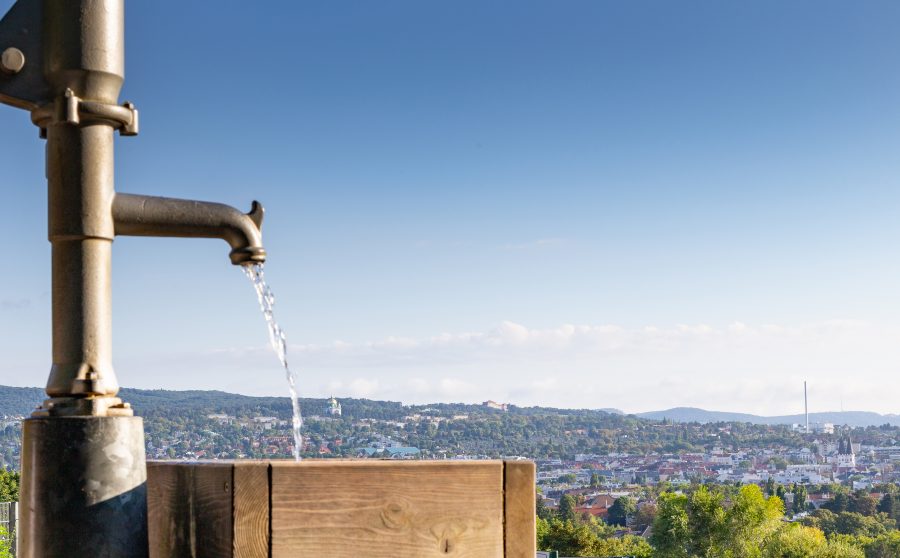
83,492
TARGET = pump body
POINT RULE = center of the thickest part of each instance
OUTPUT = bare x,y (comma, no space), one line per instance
83,464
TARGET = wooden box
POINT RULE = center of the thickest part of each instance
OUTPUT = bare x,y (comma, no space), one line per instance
338,508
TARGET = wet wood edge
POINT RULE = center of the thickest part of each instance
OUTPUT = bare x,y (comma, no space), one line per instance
519,509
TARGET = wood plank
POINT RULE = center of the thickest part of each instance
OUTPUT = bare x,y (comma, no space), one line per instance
380,508
212,511
251,509
189,509
168,509
519,509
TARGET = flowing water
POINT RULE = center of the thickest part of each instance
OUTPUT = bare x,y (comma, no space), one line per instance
279,344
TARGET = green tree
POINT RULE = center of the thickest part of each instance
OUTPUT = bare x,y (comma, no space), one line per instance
751,519
541,509
5,544
595,481
800,494
567,538
9,486
671,530
626,546
542,529
571,538
622,508
706,520
886,505
884,546
862,502
645,515
838,548
566,510
849,523
838,503
795,541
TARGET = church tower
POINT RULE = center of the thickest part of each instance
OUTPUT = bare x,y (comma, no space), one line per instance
846,457
333,408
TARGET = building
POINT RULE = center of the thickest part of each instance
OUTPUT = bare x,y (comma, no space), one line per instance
490,404
846,457
333,408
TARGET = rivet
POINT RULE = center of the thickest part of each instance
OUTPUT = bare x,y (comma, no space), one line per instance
12,60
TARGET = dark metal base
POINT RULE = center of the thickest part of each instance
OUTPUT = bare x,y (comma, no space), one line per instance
84,488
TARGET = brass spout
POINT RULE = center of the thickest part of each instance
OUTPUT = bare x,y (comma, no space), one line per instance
135,215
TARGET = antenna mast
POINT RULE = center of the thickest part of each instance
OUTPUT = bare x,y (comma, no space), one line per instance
806,406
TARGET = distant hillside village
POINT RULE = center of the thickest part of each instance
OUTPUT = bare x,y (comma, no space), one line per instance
598,480
378,445
625,449
217,425
604,478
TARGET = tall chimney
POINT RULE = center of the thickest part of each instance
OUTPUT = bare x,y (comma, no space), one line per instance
806,406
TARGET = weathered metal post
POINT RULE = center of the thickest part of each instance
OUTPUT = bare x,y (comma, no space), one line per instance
83,465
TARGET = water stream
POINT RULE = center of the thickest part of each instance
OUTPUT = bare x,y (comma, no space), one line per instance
279,345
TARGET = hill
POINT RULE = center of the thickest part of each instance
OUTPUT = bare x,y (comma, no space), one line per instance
216,424
19,401
849,418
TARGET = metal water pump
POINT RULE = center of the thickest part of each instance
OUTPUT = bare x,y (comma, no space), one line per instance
84,474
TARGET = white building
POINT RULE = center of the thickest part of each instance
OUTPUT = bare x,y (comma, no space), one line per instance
333,408
846,457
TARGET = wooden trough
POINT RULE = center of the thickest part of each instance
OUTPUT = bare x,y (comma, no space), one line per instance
340,508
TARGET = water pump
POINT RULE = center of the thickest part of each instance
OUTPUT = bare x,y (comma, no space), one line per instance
83,488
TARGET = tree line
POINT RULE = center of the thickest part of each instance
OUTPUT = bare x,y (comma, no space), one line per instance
725,521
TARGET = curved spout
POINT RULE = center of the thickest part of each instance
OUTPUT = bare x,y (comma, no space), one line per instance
135,215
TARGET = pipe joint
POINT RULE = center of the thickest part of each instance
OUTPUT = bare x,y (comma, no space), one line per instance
71,110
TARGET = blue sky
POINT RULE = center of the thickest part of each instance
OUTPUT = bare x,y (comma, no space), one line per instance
594,204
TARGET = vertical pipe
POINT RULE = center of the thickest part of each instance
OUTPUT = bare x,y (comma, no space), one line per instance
80,194
83,471
84,47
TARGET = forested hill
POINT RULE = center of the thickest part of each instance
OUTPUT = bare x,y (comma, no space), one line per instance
19,401
196,424
850,418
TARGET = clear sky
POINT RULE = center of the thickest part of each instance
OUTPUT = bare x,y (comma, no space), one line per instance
625,204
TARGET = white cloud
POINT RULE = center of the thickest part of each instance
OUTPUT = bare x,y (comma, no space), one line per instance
739,367
362,387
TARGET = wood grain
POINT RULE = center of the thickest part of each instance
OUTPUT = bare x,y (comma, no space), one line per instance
168,509
379,508
251,509
212,510
422,509
519,509
189,509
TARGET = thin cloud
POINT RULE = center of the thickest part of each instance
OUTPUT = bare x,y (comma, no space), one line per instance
739,367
